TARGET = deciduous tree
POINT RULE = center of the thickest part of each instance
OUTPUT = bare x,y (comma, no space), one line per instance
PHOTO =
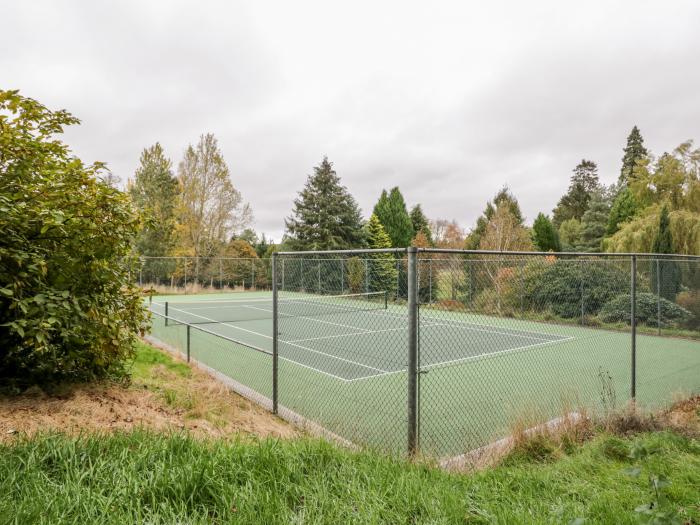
210,208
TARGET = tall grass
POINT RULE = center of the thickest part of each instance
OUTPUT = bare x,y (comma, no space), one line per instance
144,477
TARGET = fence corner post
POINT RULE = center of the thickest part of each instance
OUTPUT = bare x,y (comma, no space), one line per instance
633,325
412,352
275,334
189,339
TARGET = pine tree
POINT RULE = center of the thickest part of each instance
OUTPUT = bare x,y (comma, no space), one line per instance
154,192
381,266
594,223
574,203
634,151
503,198
544,234
667,280
420,224
392,213
325,215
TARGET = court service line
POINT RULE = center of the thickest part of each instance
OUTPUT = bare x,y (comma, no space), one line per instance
281,341
485,355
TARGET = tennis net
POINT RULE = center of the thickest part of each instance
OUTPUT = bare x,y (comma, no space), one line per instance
221,311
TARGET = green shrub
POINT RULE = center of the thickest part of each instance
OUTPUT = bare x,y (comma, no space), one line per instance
691,302
565,286
617,310
67,308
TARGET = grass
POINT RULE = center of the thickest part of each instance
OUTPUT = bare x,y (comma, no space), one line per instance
143,477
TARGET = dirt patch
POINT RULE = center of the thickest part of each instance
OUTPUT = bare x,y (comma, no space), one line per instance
161,400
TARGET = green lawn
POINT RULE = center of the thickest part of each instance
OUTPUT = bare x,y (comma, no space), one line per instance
489,380
154,478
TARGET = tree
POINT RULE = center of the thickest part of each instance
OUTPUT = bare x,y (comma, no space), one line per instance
594,223
447,234
574,203
421,224
154,191
210,208
325,215
666,279
624,208
503,198
391,212
262,245
381,266
68,306
570,234
544,234
634,152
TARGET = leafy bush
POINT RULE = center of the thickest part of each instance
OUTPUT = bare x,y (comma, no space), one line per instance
563,285
617,310
691,302
67,308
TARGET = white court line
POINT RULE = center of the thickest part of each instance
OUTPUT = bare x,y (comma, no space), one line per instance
485,355
292,344
484,328
312,319
348,335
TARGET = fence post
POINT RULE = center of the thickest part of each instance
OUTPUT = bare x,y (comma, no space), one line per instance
252,273
583,308
658,298
185,259
412,352
430,280
166,313
366,276
275,334
221,274
342,275
633,323
188,342
319,276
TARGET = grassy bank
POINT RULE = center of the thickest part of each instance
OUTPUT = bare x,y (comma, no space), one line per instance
143,477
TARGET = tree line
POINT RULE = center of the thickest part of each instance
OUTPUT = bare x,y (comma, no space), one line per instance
198,212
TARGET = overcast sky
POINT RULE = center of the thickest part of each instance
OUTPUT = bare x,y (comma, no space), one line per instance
448,100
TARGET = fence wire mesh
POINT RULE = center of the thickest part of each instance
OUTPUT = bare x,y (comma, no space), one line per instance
442,351
203,274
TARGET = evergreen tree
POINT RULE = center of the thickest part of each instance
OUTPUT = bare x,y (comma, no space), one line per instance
667,280
624,208
594,223
634,151
381,266
325,216
421,224
583,183
392,213
544,234
503,198
570,234
154,192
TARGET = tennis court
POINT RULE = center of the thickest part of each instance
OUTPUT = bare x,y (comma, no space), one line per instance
343,363
356,332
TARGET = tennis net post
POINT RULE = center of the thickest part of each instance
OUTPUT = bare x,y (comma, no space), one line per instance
166,313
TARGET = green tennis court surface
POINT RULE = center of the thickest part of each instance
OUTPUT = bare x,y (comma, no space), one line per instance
343,365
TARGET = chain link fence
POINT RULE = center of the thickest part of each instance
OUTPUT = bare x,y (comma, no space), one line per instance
440,352
181,275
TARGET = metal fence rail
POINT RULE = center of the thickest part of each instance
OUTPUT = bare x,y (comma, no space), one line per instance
469,341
